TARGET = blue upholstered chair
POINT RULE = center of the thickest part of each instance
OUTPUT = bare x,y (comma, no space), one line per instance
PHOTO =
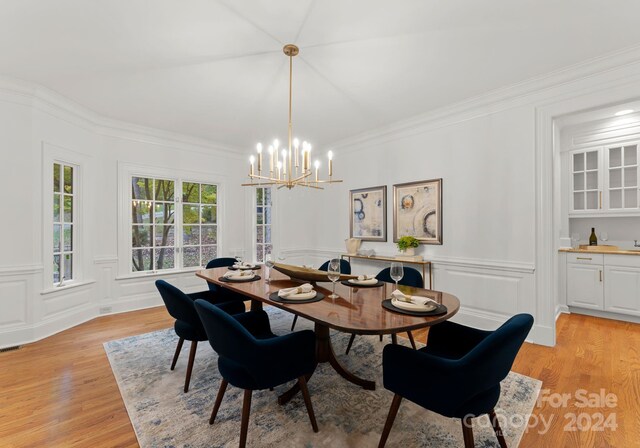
215,293
411,277
345,268
188,325
252,358
457,374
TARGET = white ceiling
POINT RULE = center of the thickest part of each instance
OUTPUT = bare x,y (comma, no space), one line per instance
215,69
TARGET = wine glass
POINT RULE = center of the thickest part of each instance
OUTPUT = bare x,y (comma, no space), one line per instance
333,272
397,272
604,236
268,262
575,239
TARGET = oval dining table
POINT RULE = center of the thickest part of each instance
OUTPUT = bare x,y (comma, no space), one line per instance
356,311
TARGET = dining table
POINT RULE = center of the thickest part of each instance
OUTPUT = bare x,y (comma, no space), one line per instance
356,310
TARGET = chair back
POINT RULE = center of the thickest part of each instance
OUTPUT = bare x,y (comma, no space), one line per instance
492,359
219,263
345,266
228,338
179,305
411,277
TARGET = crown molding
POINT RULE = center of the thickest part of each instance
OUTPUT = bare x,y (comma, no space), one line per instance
49,101
539,88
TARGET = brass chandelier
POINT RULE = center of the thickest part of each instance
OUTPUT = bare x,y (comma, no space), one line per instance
289,167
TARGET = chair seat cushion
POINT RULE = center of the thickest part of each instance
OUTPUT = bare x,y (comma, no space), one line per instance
189,332
443,352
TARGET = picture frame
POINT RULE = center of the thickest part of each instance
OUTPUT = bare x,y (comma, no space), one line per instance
417,211
368,213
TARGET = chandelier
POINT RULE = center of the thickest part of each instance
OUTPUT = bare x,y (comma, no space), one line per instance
290,166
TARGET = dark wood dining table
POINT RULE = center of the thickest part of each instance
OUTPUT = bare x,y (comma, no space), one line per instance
356,310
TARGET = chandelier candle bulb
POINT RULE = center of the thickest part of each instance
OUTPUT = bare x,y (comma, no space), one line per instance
317,165
271,160
284,162
330,155
259,157
252,159
279,169
296,144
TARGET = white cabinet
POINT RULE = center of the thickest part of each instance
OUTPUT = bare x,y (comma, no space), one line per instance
605,181
585,281
604,282
622,284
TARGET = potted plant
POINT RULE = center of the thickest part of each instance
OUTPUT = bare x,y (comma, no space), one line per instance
407,245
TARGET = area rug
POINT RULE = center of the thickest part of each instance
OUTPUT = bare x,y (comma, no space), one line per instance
348,416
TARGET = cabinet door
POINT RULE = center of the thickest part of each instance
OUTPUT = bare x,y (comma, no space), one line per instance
586,181
585,286
622,289
622,176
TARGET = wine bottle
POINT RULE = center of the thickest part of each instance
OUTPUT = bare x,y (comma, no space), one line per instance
593,239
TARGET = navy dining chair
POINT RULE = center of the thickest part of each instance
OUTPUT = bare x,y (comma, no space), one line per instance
457,374
188,326
345,268
252,358
410,277
216,293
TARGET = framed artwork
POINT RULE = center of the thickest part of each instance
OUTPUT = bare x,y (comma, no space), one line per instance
368,220
417,211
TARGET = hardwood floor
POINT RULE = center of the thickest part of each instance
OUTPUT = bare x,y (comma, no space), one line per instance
60,392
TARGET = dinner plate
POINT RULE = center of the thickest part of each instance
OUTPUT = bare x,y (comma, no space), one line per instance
351,284
440,309
276,298
430,306
240,279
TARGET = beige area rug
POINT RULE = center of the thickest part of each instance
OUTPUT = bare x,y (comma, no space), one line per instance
348,416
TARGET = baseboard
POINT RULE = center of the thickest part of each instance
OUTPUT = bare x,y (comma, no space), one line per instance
604,314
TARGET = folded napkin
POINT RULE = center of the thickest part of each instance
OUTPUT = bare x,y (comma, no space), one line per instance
302,289
238,274
366,277
243,265
415,300
364,280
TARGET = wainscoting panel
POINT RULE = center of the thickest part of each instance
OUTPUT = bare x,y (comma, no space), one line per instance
13,302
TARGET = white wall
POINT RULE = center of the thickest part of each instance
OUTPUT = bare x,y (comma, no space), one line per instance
34,123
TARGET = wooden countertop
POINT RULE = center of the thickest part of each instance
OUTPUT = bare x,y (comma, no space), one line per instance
601,251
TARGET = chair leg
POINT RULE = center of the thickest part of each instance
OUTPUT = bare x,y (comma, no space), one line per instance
293,324
393,411
175,356
467,432
302,381
380,338
394,339
244,425
413,343
219,397
497,429
192,357
353,337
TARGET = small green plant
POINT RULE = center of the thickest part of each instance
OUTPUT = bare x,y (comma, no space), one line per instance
406,242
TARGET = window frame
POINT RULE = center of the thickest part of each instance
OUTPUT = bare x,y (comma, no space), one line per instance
52,154
254,222
126,171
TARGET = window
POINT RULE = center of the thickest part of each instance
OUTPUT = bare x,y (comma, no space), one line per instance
200,223
63,222
174,224
264,244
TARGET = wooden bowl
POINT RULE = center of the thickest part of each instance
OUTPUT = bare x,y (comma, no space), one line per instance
307,274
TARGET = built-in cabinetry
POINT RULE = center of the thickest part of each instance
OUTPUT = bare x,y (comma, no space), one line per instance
604,282
604,181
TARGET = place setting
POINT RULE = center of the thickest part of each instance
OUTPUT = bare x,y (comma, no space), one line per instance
413,305
363,281
239,276
240,265
298,294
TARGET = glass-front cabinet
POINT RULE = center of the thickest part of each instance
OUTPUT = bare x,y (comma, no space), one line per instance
604,180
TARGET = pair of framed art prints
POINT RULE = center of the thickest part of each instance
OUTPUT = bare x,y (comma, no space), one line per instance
417,212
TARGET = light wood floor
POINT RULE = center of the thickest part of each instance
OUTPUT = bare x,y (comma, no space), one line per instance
60,392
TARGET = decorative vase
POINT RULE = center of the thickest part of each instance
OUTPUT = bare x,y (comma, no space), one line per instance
353,244
409,251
